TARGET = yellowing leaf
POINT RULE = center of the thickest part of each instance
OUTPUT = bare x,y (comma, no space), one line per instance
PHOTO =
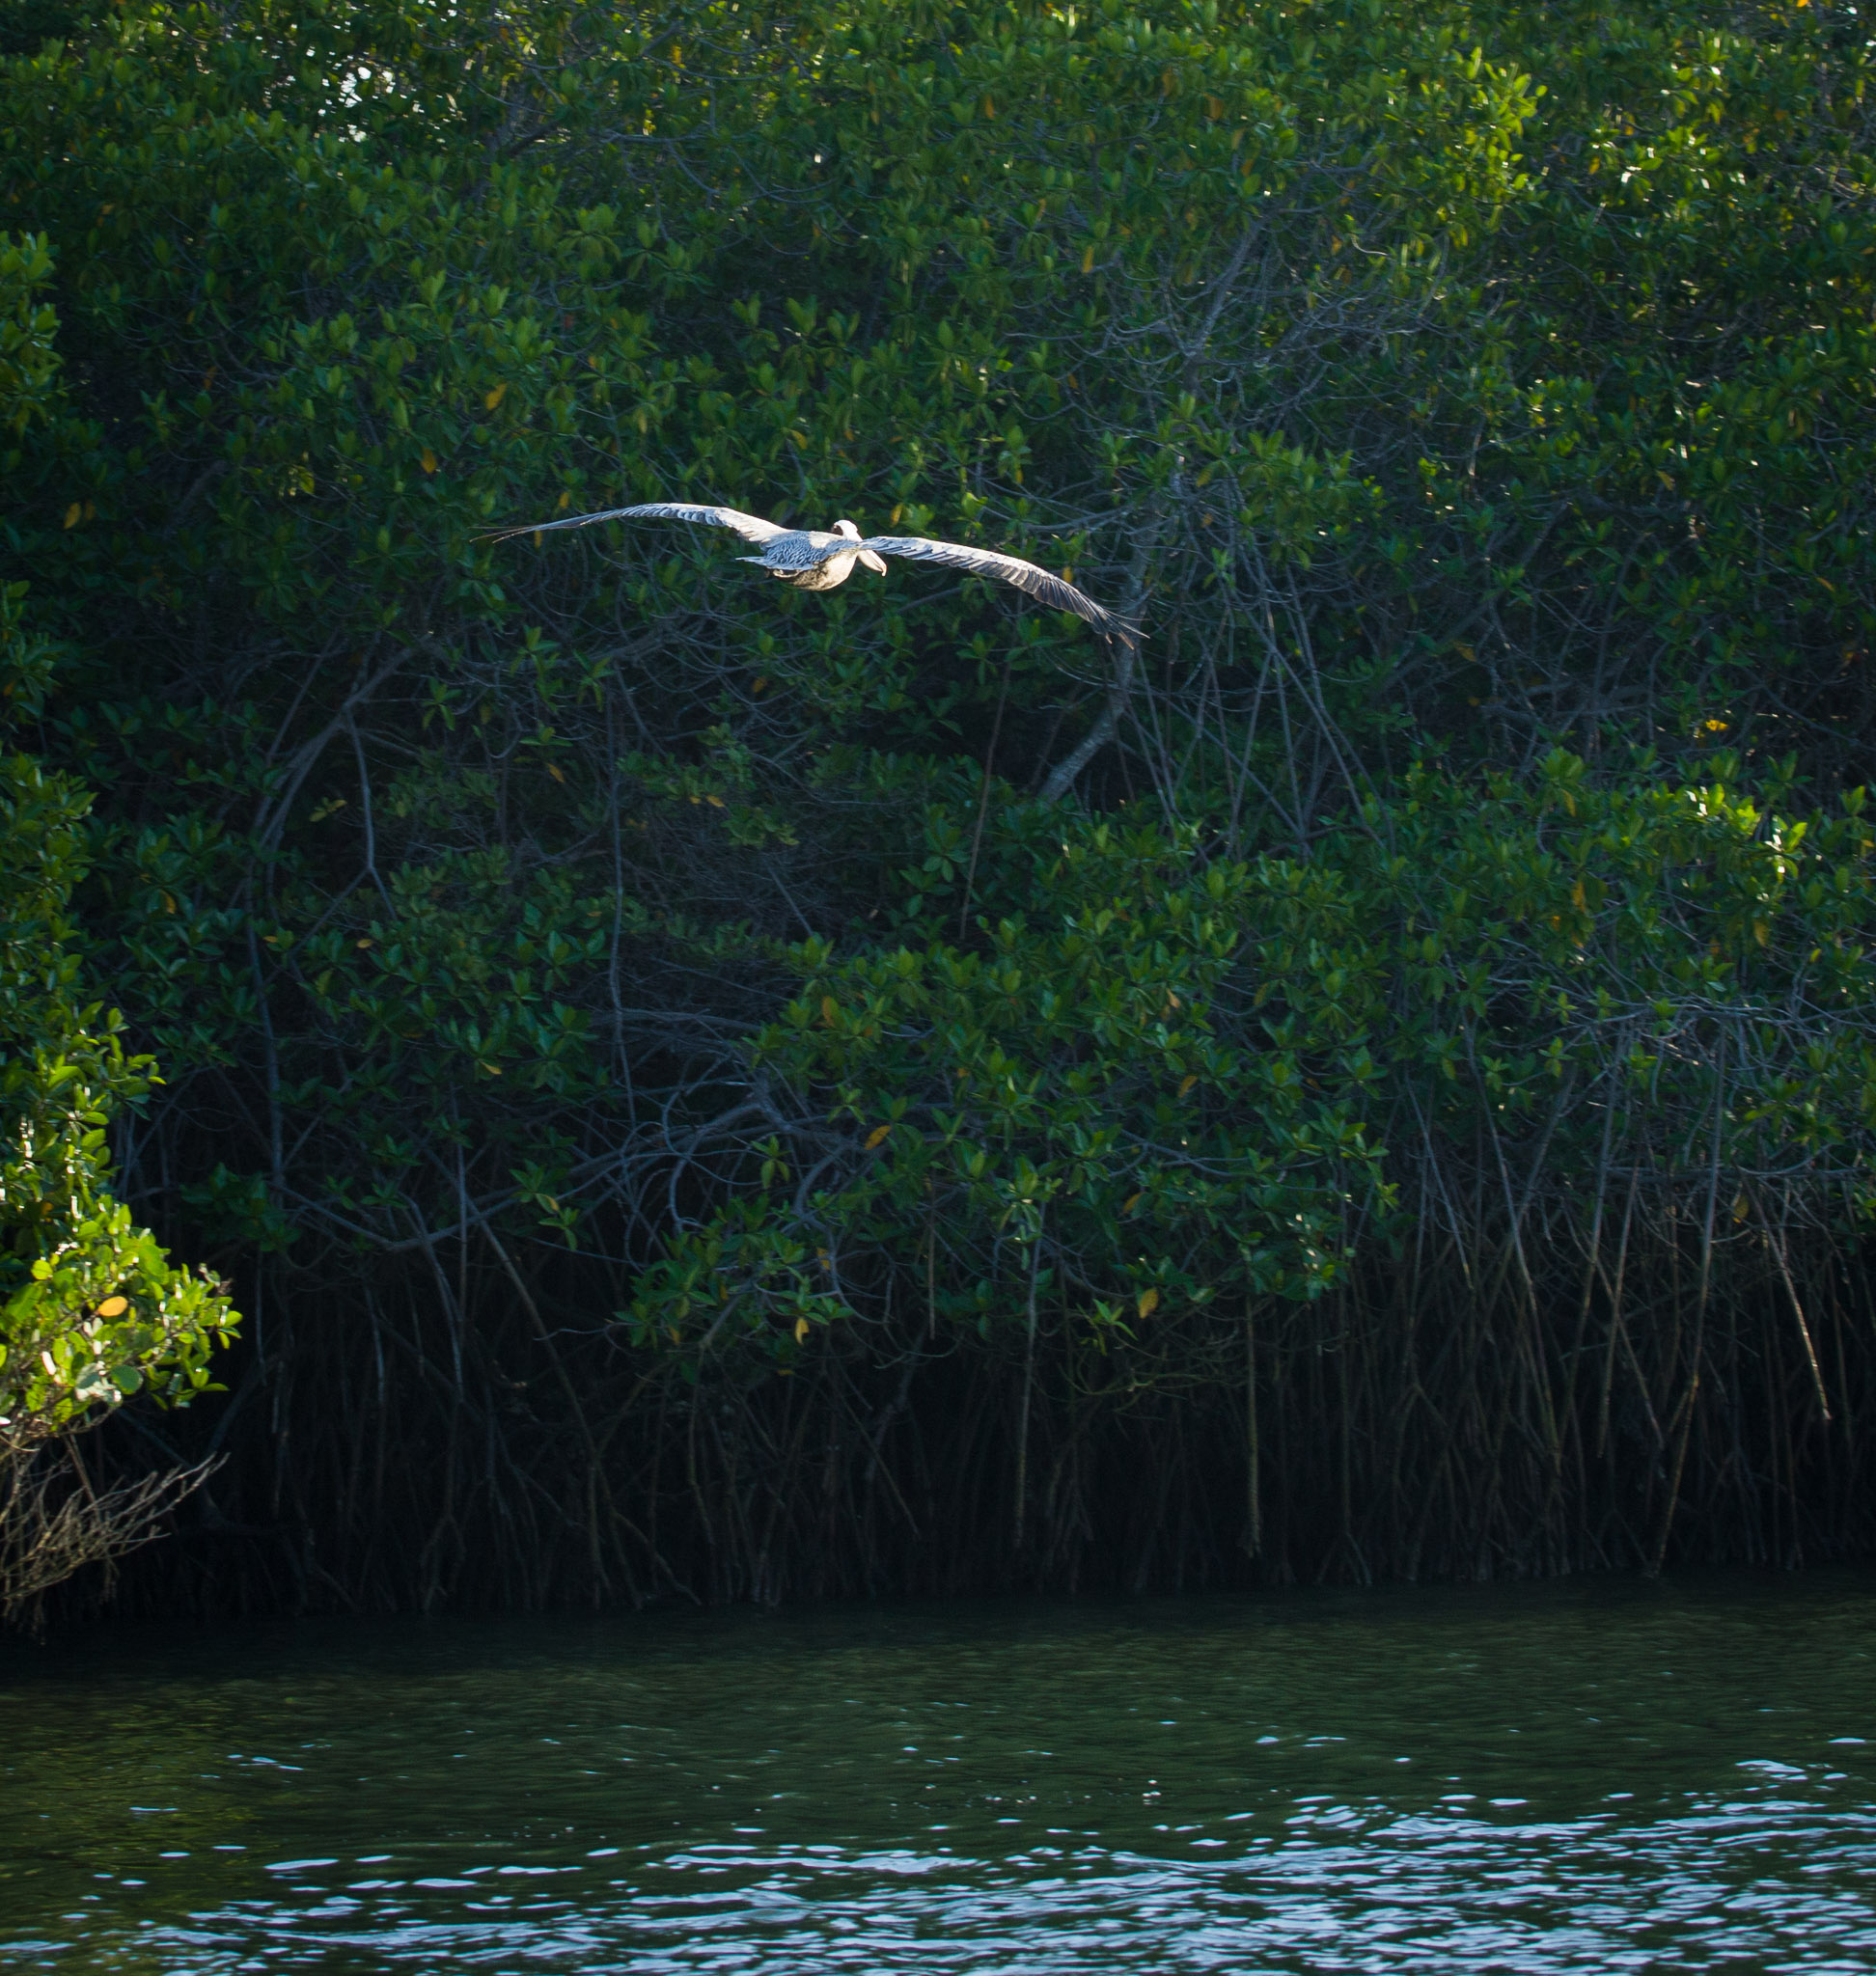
876,1135
553,769
114,1306
801,1331
567,497
495,397
830,1010
1148,1302
428,462
1763,932
1578,898
1087,267
1131,1202
1186,1084
74,515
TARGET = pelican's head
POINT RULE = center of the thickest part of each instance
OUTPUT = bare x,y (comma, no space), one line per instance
866,559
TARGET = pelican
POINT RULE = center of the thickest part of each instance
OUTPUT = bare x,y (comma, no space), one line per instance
822,559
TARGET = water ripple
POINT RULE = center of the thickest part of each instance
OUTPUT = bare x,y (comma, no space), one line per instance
1533,1783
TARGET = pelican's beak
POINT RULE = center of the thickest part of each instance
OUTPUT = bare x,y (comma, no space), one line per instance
866,559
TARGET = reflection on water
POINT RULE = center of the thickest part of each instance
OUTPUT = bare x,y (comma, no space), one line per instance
1535,1780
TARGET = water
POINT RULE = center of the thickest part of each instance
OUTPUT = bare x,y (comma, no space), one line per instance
1599,1777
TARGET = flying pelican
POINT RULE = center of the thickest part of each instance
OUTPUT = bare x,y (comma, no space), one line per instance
822,560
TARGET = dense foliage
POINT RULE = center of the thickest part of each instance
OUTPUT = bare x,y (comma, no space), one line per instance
92,1311
711,1085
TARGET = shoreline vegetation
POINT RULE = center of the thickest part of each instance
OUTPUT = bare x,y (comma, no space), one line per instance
701,1092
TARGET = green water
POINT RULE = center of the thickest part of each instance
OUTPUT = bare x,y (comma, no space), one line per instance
1607,1777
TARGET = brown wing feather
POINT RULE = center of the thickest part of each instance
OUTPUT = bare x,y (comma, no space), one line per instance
1028,577
751,527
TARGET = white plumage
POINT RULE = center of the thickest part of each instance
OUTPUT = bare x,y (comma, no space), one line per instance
820,560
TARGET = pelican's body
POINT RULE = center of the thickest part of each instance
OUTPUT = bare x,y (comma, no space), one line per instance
814,560
824,558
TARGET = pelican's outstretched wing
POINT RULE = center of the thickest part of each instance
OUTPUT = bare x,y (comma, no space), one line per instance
1025,576
752,527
